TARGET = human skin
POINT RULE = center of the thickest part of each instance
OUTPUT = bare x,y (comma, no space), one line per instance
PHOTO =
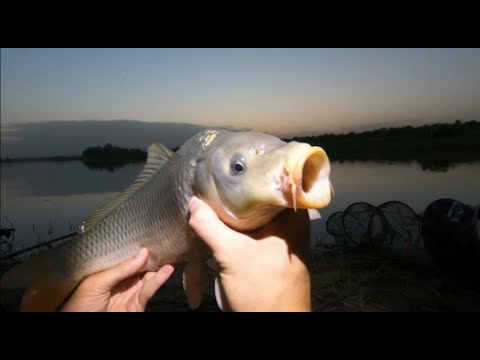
263,270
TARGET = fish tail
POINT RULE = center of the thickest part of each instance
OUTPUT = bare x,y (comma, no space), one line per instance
45,290
46,295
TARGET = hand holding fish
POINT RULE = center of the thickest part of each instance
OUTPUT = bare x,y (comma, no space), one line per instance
263,270
120,288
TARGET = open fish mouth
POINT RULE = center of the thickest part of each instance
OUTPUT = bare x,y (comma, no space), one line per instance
306,182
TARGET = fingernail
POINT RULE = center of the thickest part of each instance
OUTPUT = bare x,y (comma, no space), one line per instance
141,252
193,204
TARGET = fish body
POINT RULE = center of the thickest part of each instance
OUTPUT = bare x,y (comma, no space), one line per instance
246,177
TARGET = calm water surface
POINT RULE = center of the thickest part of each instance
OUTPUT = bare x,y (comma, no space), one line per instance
45,200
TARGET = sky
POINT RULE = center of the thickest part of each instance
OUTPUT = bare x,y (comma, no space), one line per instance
281,91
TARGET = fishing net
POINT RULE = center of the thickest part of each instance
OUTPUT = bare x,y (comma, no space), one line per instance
365,225
450,231
7,237
335,227
404,225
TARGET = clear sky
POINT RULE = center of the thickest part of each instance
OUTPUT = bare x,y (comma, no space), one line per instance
276,90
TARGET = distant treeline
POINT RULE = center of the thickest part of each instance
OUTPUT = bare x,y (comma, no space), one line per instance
49,158
110,154
434,145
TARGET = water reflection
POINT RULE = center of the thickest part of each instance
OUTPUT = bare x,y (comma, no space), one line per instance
427,164
66,178
48,199
45,200
109,167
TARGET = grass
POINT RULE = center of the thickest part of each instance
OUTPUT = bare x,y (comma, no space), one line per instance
352,279
343,280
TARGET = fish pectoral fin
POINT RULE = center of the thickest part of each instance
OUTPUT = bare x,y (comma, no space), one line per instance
314,214
220,296
212,264
194,283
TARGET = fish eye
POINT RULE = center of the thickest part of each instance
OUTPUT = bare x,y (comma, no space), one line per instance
238,165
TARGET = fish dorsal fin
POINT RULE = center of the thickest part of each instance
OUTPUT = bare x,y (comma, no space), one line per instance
158,155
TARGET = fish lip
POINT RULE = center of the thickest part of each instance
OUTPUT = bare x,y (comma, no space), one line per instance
308,170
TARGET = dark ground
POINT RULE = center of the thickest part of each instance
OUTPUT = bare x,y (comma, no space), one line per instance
343,280
350,280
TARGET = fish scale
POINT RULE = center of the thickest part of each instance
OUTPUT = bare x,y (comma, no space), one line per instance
157,222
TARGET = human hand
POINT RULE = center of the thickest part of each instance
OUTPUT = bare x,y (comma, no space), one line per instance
120,288
263,270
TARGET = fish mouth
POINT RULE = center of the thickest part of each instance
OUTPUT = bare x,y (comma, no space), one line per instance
307,180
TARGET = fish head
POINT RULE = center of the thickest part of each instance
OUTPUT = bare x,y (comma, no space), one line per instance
249,177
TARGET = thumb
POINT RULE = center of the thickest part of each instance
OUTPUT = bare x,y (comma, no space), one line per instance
109,278
205,222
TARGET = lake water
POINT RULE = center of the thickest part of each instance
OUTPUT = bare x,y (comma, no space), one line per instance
45,200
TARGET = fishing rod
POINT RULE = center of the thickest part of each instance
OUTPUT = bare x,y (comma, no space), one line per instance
37,246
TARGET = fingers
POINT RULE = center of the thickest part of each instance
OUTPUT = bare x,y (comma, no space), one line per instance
153,283
207,225
109,278
294,228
